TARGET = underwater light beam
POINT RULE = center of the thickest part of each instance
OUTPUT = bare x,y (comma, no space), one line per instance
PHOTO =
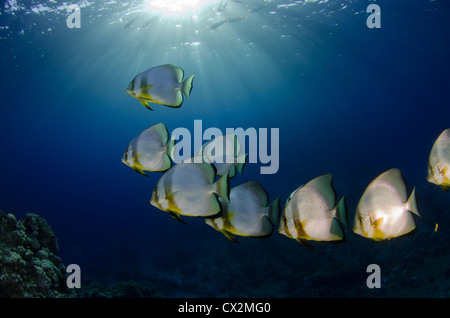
175,7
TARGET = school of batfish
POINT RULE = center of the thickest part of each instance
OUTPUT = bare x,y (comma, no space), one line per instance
200,186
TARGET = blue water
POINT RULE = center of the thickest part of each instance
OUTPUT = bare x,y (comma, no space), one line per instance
347,100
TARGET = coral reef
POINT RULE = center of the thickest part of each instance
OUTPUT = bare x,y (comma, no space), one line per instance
28,264
120,289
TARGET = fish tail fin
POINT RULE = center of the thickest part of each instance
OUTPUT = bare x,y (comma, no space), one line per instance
171,148
186,86
411,204
223,187
241,161
274,210
341,211
232,172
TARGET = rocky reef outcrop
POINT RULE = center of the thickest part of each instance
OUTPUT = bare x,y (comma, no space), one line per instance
29,266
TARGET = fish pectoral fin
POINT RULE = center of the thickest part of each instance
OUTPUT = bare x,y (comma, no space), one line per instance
300,227
145,105
136,158
230,215
176,216
147,88
144,92
378,234
376,223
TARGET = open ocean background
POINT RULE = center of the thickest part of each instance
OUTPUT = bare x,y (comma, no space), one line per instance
347,100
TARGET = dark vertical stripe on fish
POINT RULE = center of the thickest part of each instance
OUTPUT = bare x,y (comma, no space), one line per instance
143,83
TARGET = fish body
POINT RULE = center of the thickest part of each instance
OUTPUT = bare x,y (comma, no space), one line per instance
222,5
311,212
258,7
217,24
189,189
439,161
162,85
234,19
231,165
150,150
383,210
224,152
247,213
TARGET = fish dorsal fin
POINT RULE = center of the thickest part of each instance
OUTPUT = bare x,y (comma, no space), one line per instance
232,141
178,72
207,169
202,148
211,149
224,146
292,194
445,134
323,185
394,178
255,188
161,130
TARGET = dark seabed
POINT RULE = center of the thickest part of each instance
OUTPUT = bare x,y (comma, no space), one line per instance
347,99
